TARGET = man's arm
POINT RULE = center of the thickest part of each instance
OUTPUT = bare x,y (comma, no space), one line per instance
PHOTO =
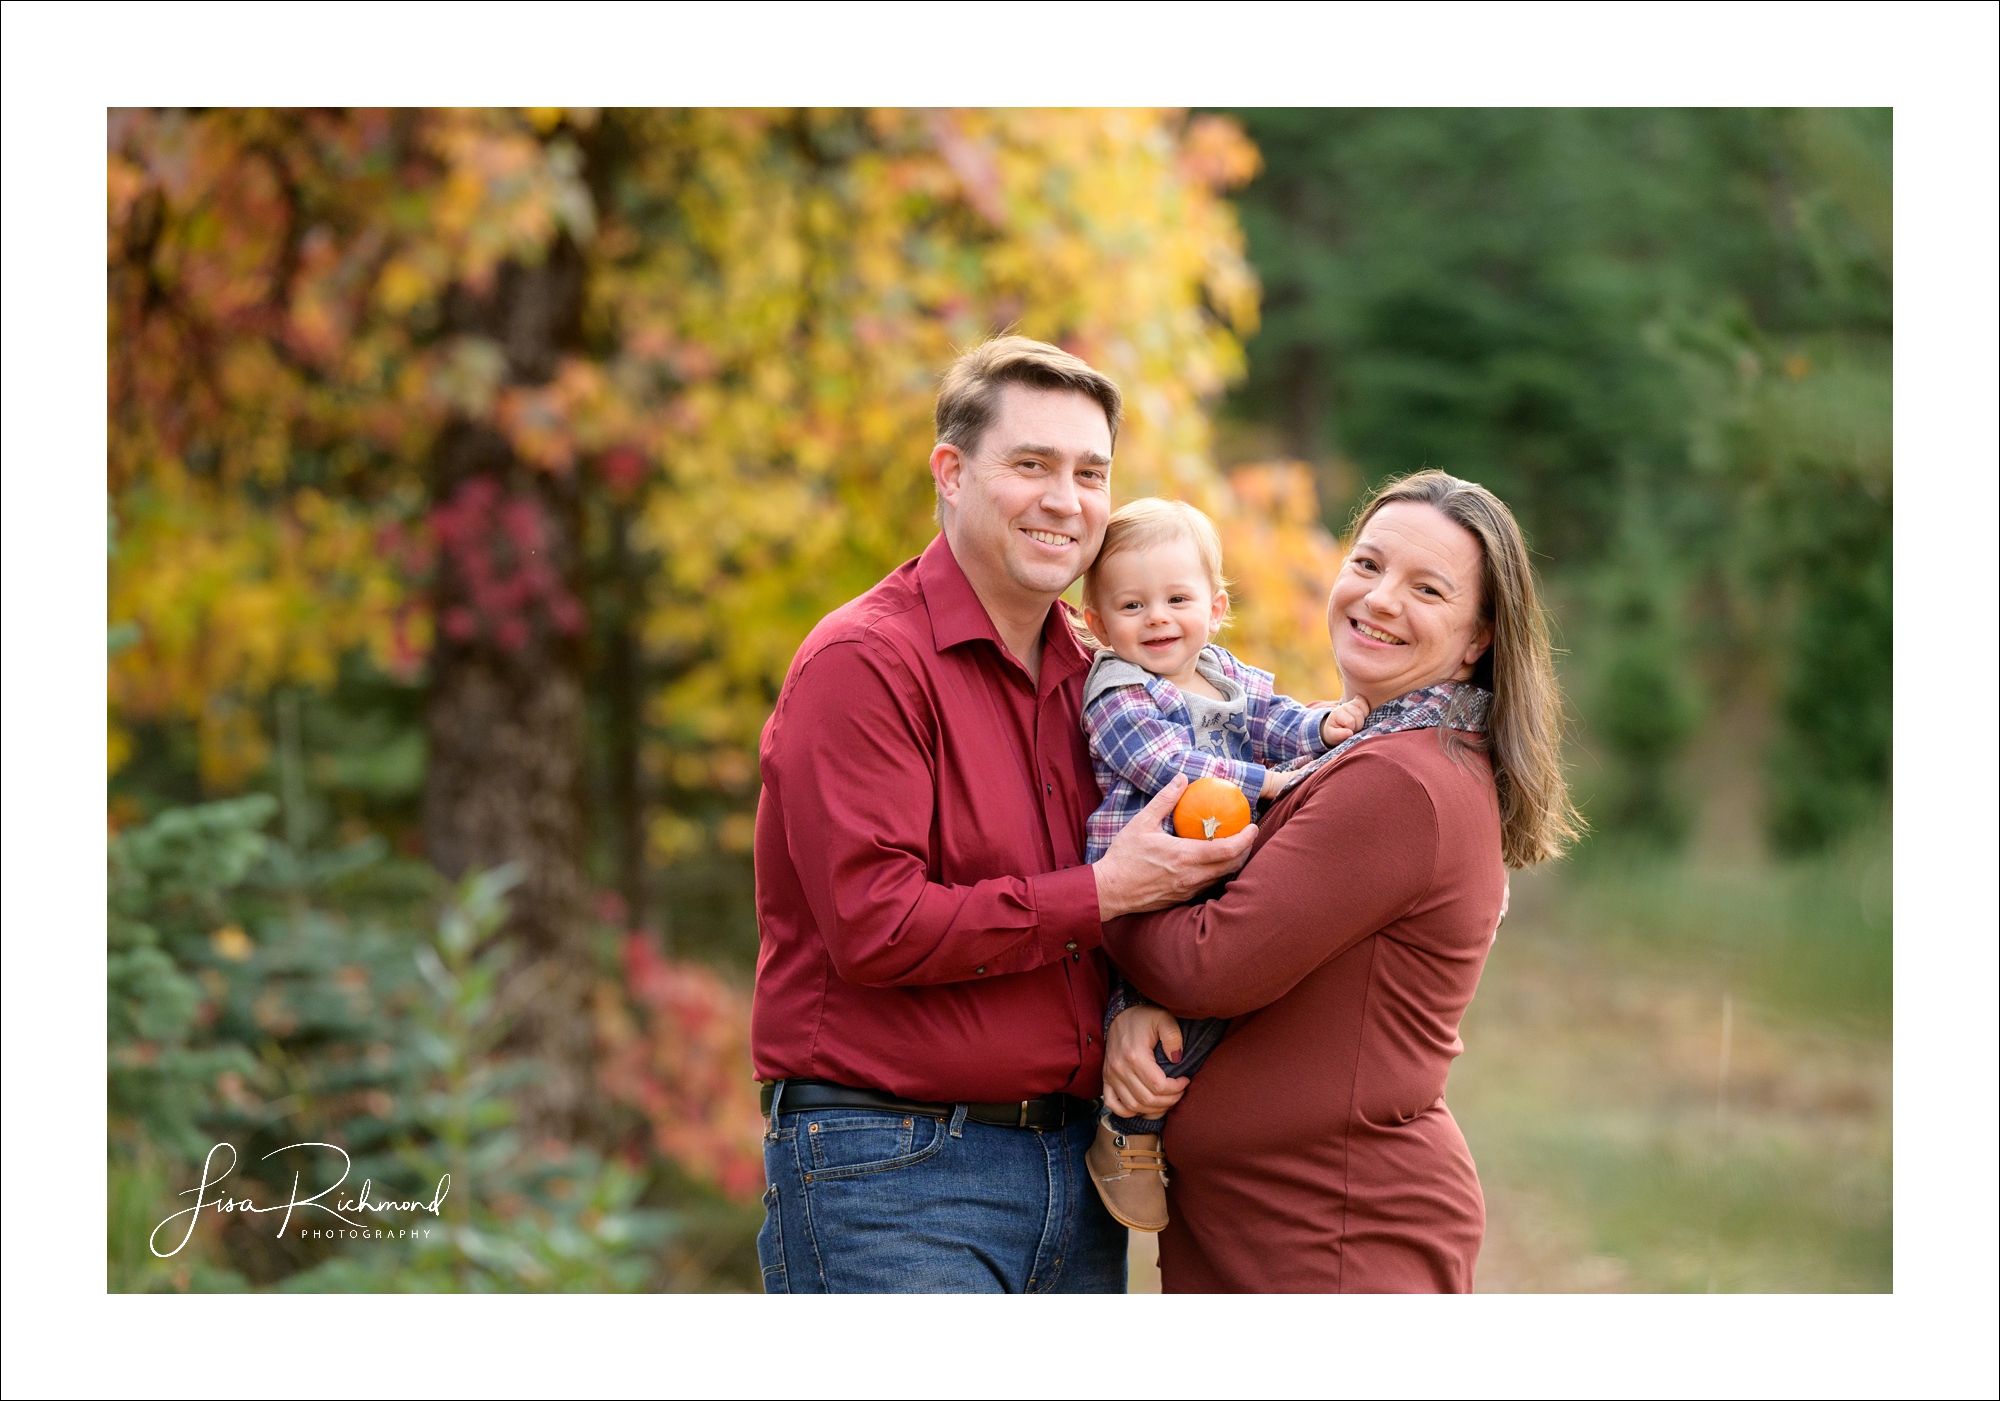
1148,869
854,754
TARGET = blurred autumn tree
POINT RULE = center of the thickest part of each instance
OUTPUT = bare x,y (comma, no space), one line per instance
542,437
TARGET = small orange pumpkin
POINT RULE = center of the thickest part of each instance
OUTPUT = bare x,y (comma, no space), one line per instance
1211,808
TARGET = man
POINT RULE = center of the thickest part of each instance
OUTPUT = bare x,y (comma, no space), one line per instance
930,990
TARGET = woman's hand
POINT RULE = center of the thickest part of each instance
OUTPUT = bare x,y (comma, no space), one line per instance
1340,723
1134,1085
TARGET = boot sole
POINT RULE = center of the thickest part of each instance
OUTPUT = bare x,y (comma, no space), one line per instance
1131,1225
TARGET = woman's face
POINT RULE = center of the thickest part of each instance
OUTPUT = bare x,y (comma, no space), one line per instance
1404,612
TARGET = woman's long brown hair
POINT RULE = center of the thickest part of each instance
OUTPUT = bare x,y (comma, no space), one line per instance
1524,726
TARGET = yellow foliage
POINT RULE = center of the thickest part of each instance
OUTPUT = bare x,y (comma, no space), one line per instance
1281,561
808,310
271,276
770,298
232,599
232,943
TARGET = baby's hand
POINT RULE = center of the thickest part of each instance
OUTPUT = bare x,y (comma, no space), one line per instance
1340,723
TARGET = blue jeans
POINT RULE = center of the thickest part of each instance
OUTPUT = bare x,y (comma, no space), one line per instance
866,1202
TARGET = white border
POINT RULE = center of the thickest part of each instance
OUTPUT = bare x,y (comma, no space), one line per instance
1934,63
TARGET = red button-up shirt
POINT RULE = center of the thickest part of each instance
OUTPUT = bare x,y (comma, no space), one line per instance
928,926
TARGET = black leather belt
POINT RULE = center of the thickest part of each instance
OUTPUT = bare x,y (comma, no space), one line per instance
1047,1112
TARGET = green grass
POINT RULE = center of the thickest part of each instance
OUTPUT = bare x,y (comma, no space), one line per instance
1808,939
1617,1148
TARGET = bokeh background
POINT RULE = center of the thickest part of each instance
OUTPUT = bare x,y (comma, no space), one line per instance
474,474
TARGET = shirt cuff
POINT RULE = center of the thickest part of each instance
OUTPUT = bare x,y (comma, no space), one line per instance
1066,911
1253,783
1123,996
1315,736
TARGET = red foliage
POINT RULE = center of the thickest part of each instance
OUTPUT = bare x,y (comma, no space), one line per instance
686,1066
623,469
499,545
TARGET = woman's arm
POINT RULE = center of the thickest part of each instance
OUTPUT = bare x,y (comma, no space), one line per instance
1134,1084
1123,995
1360,850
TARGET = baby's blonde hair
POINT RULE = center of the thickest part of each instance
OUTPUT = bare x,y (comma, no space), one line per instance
1150,521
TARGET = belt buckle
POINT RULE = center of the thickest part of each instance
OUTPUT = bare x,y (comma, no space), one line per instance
1023,1123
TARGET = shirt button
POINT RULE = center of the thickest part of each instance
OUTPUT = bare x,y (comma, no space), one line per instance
1070,945
980,969
1050,787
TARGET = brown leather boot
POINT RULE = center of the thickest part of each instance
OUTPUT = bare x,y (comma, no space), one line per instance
1131,1176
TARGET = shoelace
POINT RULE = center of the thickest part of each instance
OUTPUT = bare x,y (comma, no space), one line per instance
1136,1159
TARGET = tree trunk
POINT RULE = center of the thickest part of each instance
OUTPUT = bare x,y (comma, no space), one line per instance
1305,404
504,781
622,683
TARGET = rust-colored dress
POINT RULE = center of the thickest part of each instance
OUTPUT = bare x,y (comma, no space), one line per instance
1313,1152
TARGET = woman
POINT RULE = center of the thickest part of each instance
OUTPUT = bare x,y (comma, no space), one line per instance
1314,1152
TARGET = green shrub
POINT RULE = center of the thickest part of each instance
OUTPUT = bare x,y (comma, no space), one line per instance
245,1012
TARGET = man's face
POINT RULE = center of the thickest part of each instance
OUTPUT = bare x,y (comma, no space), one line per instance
1025,511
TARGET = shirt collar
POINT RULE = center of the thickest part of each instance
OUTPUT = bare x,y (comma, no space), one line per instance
958,616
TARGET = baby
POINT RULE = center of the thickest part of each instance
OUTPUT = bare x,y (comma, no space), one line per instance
1160,700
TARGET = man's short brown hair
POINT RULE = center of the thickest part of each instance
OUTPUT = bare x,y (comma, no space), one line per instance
971,388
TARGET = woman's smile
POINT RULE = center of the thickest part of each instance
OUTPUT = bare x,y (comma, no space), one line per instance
1375,634
1416,568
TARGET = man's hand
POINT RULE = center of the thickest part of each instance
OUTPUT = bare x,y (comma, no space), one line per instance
1134,1085
1340,723
1146,869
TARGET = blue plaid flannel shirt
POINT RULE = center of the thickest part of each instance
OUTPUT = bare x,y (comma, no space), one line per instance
1141,735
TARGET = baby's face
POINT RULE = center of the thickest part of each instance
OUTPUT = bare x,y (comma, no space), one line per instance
1155,607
